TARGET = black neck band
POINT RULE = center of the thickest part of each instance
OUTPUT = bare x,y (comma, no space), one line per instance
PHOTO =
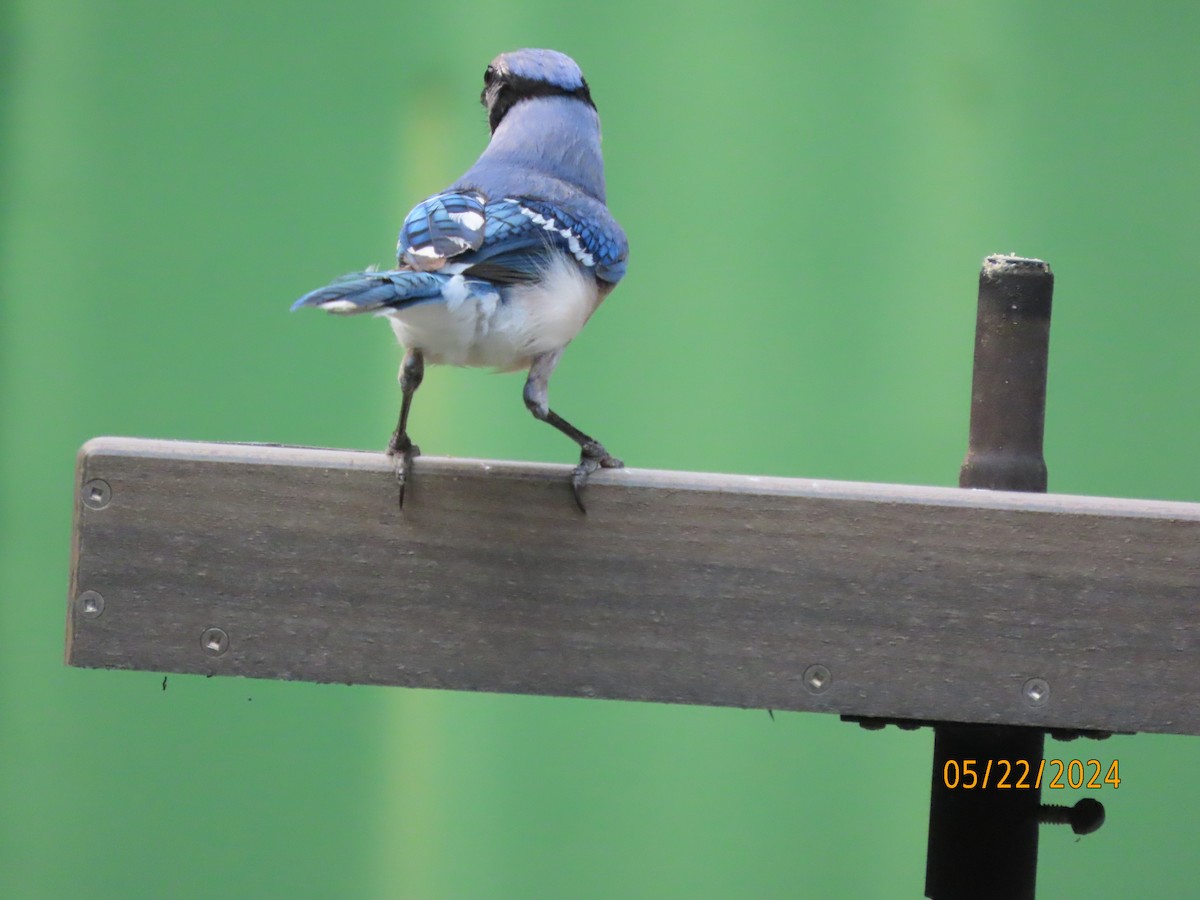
513,89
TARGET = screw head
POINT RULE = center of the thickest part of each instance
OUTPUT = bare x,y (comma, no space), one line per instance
1036,691
96,493
214,641
817,678
1087,816
90,604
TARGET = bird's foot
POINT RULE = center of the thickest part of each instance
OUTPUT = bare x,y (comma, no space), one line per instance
592,457
402,451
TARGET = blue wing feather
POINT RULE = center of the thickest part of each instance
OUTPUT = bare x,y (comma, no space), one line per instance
597,247
506,240
443,226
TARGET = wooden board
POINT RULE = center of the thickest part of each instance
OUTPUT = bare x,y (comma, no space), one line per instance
790,594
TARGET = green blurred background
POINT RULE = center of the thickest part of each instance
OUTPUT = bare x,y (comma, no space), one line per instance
173,176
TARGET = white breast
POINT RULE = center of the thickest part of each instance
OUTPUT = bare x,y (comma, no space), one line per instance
478,328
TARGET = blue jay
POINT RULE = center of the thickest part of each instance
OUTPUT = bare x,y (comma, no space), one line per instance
504,267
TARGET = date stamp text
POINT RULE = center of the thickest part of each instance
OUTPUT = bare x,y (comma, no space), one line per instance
1024,774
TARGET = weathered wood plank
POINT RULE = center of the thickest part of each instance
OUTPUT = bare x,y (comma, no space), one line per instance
922,603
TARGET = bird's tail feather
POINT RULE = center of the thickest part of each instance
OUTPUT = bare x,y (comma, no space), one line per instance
370,291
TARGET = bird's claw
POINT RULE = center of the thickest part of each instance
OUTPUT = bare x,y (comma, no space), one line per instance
402,451
593,457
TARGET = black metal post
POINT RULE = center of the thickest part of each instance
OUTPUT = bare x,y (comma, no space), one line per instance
1008,390
983,842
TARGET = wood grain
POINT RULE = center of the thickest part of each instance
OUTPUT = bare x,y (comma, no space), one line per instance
922,603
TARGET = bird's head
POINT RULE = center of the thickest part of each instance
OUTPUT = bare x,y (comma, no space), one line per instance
525,74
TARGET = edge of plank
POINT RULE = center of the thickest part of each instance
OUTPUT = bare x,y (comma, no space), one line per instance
663,479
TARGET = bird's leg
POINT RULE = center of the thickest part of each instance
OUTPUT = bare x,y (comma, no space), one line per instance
400,447
592,454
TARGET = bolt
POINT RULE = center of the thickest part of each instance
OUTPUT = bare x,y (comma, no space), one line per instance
1084,817
214,641
91,604
816,678
1036,691
96,493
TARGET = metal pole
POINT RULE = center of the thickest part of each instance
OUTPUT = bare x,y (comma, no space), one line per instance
1008,391
983,841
